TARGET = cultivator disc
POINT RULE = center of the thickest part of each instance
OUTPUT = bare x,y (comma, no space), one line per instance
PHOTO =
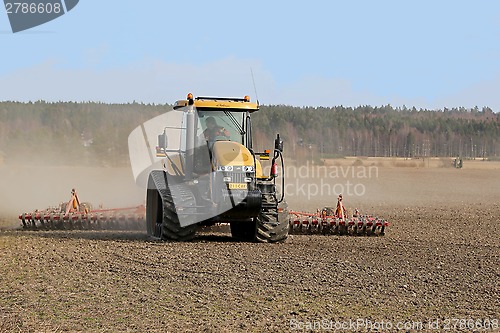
360,225
103,219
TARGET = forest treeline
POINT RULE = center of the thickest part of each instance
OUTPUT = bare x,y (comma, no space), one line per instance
384,131
96,133
70,133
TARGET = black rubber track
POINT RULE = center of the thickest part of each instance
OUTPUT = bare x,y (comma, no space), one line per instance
162,219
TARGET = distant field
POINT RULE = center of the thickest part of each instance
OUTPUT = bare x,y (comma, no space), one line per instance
433,162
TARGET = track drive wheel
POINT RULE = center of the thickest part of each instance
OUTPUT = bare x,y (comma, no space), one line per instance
162,219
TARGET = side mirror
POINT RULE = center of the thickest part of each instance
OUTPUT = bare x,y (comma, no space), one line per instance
278,143
163,141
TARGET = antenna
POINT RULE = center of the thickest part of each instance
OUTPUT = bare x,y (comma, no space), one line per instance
254,87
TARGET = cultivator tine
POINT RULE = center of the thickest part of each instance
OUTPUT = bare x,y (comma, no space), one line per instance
294,225
343,227
92,221
324,226
369,226
106,222
315,226
22,217
350,227
305,227
358,226
333,228
46,221
381,227
59,218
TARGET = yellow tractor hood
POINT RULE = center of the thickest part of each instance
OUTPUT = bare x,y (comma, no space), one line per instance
232,153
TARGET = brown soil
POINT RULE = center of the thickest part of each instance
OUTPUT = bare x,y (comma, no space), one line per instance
439,260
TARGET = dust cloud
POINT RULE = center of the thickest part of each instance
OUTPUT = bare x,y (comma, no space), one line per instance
369,184
37,184
372,183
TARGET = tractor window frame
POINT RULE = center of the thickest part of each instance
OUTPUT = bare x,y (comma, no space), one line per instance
222,119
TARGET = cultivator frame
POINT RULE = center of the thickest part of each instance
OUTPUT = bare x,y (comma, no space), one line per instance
102,219
336,221
362,225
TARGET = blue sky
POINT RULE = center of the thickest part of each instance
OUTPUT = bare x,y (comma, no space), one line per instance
429,54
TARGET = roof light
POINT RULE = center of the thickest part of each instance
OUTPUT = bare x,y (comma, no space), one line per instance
247,98
190,96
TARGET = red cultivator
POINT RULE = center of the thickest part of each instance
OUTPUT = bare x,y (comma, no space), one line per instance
336,222
116,218
76,215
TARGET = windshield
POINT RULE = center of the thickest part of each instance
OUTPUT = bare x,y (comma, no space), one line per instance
221,125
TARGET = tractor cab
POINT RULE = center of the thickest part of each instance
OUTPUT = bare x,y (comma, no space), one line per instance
221,119
216,132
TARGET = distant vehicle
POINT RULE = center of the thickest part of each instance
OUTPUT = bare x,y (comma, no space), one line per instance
458,163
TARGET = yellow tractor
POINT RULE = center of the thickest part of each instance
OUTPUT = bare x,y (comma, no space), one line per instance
211,174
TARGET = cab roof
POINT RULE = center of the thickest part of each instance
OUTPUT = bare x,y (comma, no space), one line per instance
219,103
